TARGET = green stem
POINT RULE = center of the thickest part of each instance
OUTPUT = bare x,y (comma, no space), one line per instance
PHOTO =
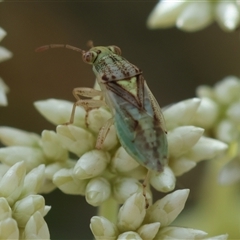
109,210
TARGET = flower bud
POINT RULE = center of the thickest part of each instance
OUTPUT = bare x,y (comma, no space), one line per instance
132,213
180,233
181,165
149,231
33,181
26,207
52,147
233,112
15,137
76,139
195,16
98,190
64,180
12,182
91,164
226,131
165,14
164,181
206,148
181,113
36,228
167,209
102,228
129,235
5,210
32,157
4,54
96,118
182,139
3,33
122,162
9,229
206,114
124,187
59,111
227,90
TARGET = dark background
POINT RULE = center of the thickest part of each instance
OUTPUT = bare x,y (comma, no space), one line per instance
174,64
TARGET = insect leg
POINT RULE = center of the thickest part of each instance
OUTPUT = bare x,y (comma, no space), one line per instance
103,133
145,183
87,104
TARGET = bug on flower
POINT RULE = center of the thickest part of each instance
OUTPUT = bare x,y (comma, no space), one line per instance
136,114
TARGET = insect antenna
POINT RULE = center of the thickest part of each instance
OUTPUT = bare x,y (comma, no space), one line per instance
47,47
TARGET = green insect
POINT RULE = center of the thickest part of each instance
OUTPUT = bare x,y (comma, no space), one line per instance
137,116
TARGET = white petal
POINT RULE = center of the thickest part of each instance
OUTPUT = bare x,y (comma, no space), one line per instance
75,139
5,209
91,164
12,182
59,111
227,15
181,165
4,54
165,13
181,113
32,157
164,181
132,213
98,190
195,16
96,119
180,233
206,148
64,180
33,181
9,229
122,162
52,147
206,114
129,236
167,209
12,136
124,187
26,207
182,139
148,231
36,228
102,228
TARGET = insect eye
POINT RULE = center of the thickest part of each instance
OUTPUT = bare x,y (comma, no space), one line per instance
89,57
115,50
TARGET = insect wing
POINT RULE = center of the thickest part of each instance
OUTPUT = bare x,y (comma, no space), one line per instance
138,121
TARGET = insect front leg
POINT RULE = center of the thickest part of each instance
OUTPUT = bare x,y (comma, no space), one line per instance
103,133
87,104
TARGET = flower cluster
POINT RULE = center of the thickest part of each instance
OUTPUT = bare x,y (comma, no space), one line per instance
219,114
195,15
100,174
4,55
21,209
136,222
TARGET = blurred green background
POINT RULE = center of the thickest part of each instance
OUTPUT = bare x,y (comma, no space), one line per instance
174,63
